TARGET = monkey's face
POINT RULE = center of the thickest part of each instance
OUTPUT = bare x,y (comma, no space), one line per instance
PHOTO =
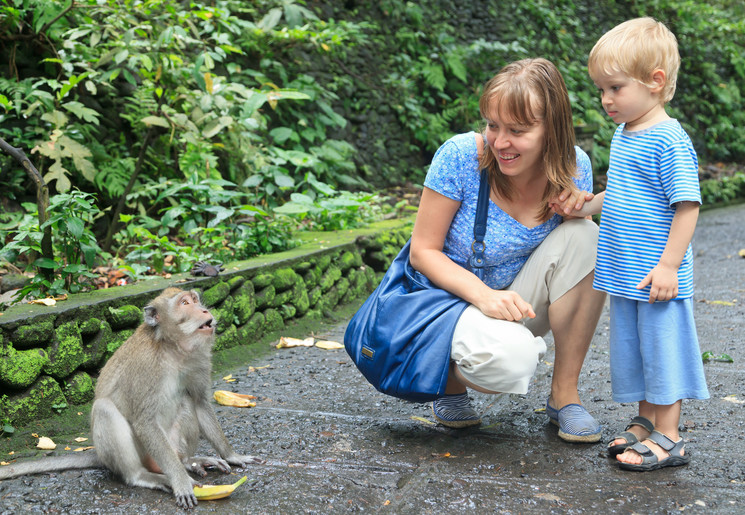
192,316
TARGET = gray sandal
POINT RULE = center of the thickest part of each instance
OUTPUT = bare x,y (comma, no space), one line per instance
650,460
627,435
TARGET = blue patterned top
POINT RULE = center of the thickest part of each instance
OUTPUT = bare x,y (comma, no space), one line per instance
649,171
455,173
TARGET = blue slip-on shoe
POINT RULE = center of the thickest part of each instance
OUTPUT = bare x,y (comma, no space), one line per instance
575,423
455,411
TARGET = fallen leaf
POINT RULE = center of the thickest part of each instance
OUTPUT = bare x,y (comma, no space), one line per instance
539,410
285,342
34,435
441,455
81,439
83,448
733,398
722,302
254,369
700,503
237,400
329,345
741,253
67,448
47,302
229,378
3,463
46,443
422,419
11,453
387,502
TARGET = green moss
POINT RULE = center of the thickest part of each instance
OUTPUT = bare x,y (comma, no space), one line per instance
333,274
283,298
118,339
216,294
19,369
39,401
244,303
66,353
303,267
265,297
262,281
284,279
95,347
79,389
38,333
314,296
254,328
287,311
236,281
313,276
125,317
224,319
228,339
300,297
323,262
90,326
349,260
274,320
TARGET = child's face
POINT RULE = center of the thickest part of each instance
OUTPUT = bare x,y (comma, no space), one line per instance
627,100
517,147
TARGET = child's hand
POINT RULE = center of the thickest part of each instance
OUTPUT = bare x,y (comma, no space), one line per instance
570,203
664,281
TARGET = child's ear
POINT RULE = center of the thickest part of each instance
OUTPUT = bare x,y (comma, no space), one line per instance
658,80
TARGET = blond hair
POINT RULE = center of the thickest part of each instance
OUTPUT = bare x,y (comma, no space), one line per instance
532,91
637,48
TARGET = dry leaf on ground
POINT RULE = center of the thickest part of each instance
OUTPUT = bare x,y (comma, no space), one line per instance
46,443
285,342
329,345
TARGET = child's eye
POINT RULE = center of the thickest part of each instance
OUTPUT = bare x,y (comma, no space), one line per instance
516,132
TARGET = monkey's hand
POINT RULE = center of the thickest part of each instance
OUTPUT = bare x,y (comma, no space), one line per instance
242,461
185,496
198,464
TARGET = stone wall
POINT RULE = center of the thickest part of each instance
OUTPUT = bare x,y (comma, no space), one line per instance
50,356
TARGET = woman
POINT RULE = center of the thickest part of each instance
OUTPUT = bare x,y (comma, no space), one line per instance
541,267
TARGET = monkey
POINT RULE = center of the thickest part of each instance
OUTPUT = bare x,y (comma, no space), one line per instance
152,404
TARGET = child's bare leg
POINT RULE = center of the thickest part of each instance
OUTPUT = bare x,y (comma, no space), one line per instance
666,419
647,411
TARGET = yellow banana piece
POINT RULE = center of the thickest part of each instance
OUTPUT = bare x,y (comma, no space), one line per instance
238,400
210,493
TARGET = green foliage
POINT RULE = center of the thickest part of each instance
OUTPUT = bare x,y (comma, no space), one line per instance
710,356
724,190
71,216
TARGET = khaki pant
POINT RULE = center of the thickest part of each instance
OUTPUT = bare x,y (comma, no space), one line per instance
502,356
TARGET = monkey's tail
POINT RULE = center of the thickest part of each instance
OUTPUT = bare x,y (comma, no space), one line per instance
82,460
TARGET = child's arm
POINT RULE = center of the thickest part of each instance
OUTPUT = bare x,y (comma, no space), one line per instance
579,206
664,276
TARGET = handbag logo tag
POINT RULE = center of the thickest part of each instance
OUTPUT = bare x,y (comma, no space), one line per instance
368,352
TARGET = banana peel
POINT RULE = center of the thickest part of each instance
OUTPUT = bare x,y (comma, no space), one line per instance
238,400
210,493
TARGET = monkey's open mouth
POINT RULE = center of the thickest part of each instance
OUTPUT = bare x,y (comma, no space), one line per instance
208,325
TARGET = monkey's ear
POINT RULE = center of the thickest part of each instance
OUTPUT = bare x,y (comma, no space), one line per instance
151,316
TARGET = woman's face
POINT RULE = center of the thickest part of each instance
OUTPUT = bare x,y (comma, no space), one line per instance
517,147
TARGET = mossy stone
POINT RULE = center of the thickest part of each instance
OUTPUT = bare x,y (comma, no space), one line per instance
265,297
66,352
90,326
323,262
35,403
79,389
95,347
262,281
284,279
125,317
236,281
303,267
300,297
348,260
287,311
215,295
38,333
332,274
314,296
254,328
313,276
117,341
19,369
244,303
274,320
284,297
227,339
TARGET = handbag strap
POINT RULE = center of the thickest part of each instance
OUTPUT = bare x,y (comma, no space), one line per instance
477,260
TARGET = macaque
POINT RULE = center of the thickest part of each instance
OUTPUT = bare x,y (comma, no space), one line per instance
152,404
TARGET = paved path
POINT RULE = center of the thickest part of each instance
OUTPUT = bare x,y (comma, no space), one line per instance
333,444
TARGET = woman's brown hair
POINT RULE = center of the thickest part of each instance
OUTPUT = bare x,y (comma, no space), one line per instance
533,91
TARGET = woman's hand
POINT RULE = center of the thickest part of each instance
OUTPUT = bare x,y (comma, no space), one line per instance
570,202
505,305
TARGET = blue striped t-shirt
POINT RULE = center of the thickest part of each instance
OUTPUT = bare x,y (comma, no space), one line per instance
649,171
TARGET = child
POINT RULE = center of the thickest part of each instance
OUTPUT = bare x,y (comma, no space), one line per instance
649,212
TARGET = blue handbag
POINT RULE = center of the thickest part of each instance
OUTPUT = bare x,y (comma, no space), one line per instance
400,338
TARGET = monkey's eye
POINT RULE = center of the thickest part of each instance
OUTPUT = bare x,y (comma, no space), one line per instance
185,301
